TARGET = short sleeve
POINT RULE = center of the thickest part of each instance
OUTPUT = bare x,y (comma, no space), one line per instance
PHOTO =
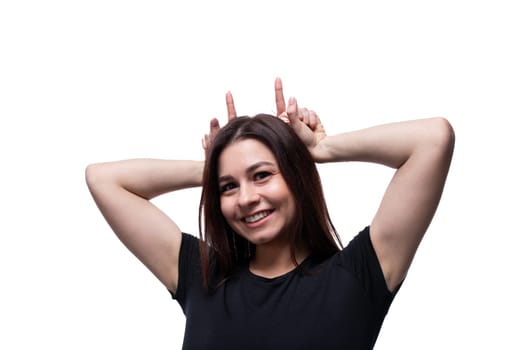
360,258
189,267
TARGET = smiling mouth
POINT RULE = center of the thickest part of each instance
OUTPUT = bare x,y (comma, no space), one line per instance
258,216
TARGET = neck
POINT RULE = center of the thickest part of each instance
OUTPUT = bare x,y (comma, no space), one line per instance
273,260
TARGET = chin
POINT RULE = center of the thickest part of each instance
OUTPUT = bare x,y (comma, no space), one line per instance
262,238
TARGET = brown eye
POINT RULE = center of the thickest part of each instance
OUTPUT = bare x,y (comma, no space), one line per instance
261,175
227,187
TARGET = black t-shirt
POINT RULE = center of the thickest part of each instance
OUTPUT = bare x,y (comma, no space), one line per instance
338,303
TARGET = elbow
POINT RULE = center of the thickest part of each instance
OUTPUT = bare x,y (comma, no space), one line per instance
442,135
95,174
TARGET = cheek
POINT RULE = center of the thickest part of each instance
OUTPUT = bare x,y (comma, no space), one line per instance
281,192
291,207
283,196
226,207
289,199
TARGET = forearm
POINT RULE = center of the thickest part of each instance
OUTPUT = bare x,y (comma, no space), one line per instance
389,144
146,178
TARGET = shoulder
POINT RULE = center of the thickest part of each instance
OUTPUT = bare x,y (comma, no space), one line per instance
360,248
189,249
190,240
189,265
359,257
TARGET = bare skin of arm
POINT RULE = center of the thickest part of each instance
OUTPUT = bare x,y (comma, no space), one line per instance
420,150
122,191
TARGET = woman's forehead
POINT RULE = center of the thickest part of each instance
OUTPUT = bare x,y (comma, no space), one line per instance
244,154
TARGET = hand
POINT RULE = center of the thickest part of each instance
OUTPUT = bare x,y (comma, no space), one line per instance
214,123
306,125
232,113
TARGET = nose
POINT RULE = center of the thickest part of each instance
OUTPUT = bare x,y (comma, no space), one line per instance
248,195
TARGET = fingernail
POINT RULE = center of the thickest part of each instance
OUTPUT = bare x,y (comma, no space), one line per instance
284,118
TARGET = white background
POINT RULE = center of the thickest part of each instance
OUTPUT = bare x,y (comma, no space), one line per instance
91,81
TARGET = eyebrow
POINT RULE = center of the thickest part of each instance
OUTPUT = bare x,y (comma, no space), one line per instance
250,169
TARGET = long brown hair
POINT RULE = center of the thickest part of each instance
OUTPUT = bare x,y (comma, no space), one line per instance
224,250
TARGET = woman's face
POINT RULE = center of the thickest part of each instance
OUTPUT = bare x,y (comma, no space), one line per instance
255,199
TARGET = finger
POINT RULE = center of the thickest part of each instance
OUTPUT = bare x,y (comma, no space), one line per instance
305,116
312,120
214,124
205,142
292,111
284,117
214,128
279,97
232,114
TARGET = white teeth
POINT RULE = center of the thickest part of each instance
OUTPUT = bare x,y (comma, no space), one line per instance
256,217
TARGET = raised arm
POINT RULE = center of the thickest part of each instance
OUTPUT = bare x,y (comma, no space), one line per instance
420,150
122,191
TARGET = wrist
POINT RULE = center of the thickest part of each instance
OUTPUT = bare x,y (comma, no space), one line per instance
321,152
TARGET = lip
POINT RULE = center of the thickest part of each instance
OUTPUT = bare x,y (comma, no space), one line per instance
260,221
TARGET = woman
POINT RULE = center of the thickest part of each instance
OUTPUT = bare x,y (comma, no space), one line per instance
268,272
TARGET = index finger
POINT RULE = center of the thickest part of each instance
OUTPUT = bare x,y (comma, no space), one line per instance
279,97
232,114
